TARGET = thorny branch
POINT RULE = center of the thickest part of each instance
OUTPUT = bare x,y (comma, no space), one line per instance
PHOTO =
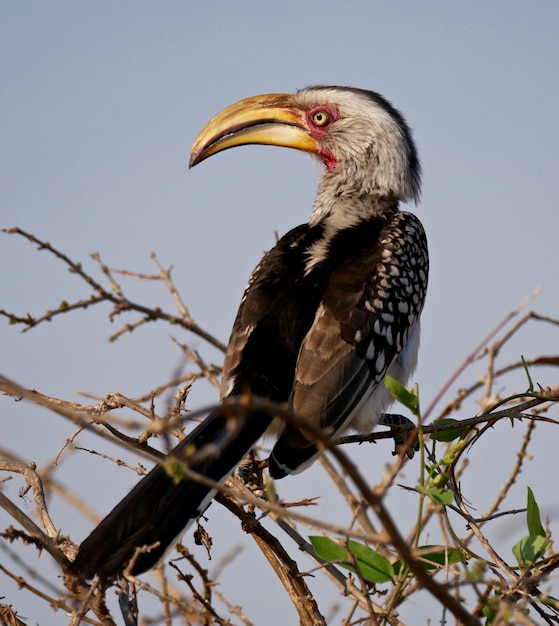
500,588
390,532
114,295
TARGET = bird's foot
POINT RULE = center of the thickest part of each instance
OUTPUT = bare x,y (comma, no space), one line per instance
401,428
250,472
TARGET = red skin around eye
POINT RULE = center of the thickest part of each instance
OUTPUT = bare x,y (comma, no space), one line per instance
321,131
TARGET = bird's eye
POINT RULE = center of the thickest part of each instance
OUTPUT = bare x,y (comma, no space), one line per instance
321,118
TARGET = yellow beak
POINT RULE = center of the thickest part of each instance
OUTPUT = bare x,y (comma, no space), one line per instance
270,119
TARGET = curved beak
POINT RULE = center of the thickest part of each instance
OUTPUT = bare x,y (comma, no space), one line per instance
270,119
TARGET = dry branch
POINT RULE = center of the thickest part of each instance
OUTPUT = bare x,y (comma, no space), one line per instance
512,594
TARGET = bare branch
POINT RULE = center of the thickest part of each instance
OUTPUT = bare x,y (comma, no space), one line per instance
100,294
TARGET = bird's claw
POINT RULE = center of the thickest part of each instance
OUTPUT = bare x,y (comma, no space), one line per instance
401,427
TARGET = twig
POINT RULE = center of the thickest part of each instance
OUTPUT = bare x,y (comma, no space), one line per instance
121,304
283,565
471,357
49,544
27,470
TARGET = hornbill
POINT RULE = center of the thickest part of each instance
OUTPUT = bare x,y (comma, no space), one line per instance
330,310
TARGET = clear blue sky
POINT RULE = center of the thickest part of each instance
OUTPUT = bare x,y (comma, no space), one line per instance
101,101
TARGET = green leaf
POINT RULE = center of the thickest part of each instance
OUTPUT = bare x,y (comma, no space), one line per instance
441,496
174,468
533,516
373,566
489,613
404,396
440,480
270,488
434,557
475,573
449,435
529,549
